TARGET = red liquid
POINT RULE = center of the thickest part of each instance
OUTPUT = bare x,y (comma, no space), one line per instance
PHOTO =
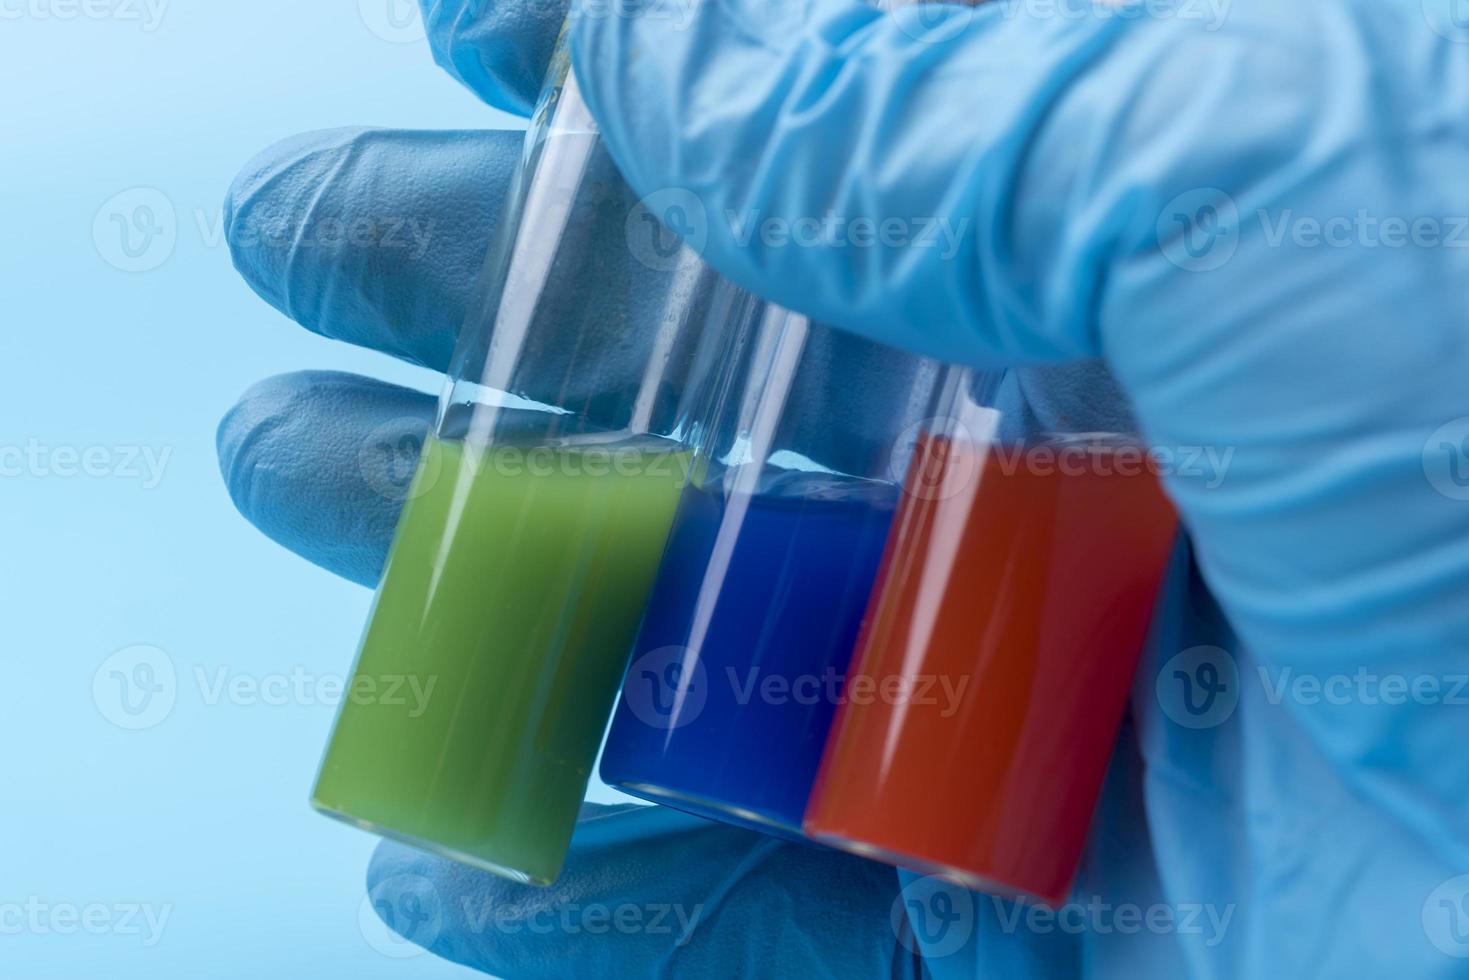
1033,588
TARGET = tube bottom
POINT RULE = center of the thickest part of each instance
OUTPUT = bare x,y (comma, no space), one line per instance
713,809
969,879
469,858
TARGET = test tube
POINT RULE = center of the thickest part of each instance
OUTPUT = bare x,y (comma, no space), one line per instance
738,667
536,519
994,667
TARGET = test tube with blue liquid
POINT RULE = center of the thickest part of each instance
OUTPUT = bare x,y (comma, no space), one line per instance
739,664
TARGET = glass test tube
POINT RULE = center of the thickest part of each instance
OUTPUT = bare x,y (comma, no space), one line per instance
1015,600
525,554
738,667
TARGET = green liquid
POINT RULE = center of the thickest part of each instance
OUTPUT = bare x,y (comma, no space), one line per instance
510,601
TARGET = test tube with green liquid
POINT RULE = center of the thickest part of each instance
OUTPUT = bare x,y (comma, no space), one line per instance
536,519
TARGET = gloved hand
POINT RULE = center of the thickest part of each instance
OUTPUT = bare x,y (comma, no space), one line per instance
1252,212
377,238
314,459
1077,157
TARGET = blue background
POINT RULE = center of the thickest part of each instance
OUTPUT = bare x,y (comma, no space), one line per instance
204,814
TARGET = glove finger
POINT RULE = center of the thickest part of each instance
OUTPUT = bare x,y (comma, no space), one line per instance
866,168
648,891
498,50
321,461
375,237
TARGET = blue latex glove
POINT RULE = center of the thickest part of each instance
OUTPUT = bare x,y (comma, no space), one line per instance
1255,215
1290,837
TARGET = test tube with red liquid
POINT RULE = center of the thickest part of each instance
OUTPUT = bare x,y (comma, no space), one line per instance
995,661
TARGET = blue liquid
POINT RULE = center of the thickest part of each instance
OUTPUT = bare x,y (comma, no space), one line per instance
737,670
